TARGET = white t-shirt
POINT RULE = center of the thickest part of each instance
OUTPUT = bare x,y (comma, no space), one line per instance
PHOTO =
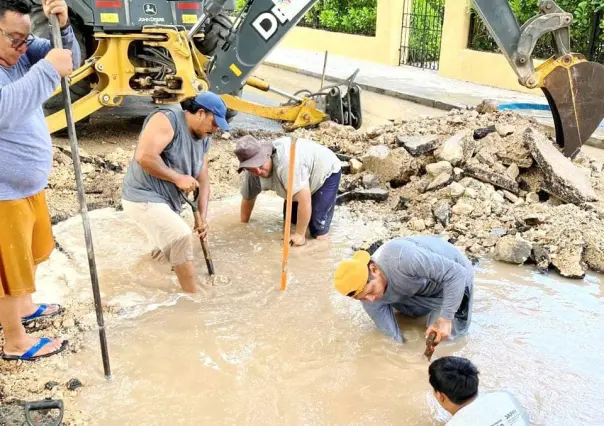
493,409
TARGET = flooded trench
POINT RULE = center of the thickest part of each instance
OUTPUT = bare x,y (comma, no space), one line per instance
243,352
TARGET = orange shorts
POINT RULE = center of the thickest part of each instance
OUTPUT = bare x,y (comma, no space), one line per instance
25,241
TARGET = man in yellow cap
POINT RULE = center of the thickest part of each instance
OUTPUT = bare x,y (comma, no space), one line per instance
417,276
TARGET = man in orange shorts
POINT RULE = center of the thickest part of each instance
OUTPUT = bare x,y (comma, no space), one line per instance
30,71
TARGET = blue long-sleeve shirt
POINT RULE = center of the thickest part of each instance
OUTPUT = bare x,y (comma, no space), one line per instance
25,144
422,272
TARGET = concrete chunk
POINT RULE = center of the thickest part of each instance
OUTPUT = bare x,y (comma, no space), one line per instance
484,174
563,178
452,149
355,166
439,181
418,145
435,169
373,194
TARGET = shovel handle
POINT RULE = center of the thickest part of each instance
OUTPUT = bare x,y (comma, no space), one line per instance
46,404
197,217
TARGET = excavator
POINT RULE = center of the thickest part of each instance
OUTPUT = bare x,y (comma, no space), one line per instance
167,50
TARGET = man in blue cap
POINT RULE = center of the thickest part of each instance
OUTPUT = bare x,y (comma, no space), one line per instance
170,158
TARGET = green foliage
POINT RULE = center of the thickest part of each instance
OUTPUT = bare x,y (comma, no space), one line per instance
584,12
344,16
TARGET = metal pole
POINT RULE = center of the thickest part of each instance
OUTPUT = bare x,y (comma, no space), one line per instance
324,71
75,155
288,213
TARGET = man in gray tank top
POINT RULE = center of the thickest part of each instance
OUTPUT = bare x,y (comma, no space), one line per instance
171,157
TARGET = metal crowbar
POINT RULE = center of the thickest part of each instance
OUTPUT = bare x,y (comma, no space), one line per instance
75,155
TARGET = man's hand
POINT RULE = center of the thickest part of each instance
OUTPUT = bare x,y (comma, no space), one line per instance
202,231
186,183
442,327
61,60
56,7
297,240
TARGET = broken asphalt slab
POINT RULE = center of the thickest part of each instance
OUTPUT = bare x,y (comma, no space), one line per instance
563,179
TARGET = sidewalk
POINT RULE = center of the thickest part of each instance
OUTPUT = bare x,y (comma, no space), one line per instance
425,87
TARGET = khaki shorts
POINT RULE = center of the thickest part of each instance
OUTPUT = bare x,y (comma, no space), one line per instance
25,241
168,233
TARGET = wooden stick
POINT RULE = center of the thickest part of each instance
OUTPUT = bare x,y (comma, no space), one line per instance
288,213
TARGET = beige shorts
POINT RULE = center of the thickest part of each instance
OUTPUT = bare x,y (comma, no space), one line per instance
168,233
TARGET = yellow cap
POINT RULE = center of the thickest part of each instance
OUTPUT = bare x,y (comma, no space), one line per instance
351,274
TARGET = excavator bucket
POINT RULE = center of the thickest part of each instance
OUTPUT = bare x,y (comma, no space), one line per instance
574,89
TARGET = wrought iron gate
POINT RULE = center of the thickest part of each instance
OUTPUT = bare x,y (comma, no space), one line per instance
596,39
422,33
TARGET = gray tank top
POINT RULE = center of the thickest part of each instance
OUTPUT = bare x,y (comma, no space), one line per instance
184,154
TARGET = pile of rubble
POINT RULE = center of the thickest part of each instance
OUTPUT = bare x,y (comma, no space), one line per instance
492,183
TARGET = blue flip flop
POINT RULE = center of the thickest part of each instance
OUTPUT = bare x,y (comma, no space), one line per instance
30,355
40,313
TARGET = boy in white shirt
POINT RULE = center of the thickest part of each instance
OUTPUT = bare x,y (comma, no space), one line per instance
455,384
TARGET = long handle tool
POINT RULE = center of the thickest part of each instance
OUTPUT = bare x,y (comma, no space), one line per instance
197,217
75,155
288,213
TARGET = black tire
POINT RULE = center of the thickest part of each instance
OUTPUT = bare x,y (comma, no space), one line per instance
216,33
41,28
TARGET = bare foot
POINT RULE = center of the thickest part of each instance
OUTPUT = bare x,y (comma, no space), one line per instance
21,346
323,237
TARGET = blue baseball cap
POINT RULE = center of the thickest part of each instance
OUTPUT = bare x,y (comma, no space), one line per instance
213,103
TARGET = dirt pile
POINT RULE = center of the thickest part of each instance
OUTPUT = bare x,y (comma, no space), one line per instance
491,183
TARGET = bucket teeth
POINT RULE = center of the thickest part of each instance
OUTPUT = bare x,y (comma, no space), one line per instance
574,89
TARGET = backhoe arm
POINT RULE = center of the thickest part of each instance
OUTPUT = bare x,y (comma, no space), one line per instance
262,25
573,87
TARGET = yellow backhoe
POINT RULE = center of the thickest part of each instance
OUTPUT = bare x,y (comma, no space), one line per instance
168,50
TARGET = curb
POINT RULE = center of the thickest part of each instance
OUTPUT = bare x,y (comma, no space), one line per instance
594,141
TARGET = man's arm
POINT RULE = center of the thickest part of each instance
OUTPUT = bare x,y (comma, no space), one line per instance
19,99
40,47
304,199
382,315
204,190
249,191
246,209
157,134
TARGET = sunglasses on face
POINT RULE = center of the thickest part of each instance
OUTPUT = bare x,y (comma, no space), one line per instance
16,43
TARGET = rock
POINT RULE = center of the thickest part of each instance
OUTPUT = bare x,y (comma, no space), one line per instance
355,166
470,193
487,106
511,150
485,174
568,261
68,323
452,149
439,181
345,167
490,241
497,197
504,129
370,181
374,132
541,257
482,133
498,232
417,225
418,145
442,212
403,204
511,197
396,165
593,254
532,198
485,156
373,194
225,135
435,169
87,168
513,171
73,384
563,178
457,174
50,385
456,190
343,157
462,208
512,249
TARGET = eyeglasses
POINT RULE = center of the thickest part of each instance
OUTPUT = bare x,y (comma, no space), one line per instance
16,43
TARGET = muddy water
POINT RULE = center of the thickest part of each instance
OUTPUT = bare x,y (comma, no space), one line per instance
242,352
